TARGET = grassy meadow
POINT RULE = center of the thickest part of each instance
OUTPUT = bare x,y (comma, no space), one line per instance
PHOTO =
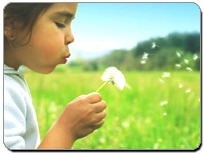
156,113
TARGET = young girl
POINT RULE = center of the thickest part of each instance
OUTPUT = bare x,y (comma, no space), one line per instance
37,36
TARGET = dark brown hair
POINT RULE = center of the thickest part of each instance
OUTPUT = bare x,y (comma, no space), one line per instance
24,13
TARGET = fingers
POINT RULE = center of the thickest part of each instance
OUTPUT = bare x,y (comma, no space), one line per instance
95,126
96,100
98,125
98,119
92,111
96,122
100,106
80,97
100,116
93,97
90,98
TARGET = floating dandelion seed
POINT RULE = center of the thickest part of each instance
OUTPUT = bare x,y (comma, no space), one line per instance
186,61
178,54
115,77
178,65
166,75
144,58
164,103
143,61
189,69
195,57
154,45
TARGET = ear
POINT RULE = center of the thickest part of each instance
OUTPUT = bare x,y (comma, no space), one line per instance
9,31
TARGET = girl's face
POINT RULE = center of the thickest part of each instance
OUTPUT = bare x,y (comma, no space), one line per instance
51,35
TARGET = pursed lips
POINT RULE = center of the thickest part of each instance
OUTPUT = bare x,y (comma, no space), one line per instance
65,57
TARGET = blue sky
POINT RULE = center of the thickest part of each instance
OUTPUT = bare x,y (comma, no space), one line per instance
102,27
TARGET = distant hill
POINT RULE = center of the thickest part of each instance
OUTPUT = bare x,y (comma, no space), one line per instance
175,51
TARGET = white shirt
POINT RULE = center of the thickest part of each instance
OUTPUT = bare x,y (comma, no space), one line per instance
20,122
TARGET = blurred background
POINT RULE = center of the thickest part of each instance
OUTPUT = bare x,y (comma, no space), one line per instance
120,33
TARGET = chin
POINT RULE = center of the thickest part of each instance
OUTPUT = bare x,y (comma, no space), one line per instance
46,70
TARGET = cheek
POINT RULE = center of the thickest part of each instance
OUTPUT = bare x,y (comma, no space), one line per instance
53,45
47,38
49,45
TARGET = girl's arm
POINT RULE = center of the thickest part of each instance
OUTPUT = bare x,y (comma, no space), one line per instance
57,138
80,118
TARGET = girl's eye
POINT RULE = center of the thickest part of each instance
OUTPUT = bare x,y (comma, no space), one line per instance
60,25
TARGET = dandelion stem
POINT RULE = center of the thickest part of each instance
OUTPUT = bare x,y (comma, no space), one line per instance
102,86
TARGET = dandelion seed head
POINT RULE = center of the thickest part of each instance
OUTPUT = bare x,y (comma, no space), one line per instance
115,77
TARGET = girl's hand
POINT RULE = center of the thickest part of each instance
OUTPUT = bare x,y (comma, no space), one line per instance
80,117
83,115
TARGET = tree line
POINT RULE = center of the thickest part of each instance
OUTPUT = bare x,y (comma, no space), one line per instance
175,51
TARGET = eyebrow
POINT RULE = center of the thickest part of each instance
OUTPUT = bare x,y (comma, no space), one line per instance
64,14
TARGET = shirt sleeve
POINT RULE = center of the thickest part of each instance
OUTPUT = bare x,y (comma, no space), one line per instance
14,119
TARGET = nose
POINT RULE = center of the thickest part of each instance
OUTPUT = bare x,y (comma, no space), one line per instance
69,37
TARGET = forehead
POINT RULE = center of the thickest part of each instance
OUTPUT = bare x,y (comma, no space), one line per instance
63,7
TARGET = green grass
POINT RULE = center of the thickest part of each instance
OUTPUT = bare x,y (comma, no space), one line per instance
135,119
